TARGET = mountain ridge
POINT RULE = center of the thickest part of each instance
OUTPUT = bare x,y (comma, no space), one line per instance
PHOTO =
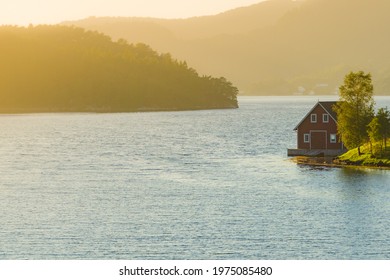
301,46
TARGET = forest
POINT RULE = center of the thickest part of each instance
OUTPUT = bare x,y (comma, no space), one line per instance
68,69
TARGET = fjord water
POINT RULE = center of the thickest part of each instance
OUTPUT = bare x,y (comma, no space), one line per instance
213,184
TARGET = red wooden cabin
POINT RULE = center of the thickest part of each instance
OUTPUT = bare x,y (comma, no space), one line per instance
317,132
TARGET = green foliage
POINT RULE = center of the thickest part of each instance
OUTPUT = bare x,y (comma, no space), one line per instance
58,68
357,124
373,130
356,109
353,157
383,116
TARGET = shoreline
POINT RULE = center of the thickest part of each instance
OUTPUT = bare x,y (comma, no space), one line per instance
333,163
17,111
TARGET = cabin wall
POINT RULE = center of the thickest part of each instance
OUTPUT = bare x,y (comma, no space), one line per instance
319,132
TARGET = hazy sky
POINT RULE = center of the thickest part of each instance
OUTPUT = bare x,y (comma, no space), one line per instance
22,12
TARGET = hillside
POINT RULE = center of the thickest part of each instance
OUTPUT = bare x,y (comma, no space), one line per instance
57,68
161,32
274,47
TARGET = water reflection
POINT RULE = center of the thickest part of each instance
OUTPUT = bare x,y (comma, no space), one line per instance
353,202
314,163
361,193
364,177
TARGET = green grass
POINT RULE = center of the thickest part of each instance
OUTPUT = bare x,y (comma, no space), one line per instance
352,157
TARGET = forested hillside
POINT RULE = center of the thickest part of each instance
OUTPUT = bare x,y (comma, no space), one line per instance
274,47
58,68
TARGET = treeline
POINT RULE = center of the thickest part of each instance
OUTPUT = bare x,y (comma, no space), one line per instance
358,124
57,68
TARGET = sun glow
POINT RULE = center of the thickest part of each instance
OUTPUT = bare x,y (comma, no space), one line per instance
24,12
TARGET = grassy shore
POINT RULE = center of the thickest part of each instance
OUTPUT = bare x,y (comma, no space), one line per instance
352,157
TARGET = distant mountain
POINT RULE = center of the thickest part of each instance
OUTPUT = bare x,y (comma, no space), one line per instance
156,31
274,47
58,68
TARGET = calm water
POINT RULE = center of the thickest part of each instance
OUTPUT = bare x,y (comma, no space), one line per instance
182,185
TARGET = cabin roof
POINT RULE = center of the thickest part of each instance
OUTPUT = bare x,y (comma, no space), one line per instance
327,106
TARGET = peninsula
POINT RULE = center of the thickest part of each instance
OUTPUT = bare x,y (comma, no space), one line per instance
67,69
366,158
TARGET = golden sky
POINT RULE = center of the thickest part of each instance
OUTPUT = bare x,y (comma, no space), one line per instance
24,12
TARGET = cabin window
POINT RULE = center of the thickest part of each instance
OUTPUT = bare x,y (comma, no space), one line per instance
325,118
306,138
313,118
333,138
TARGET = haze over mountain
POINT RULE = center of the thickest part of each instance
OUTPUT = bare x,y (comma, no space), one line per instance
60,68
274,47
